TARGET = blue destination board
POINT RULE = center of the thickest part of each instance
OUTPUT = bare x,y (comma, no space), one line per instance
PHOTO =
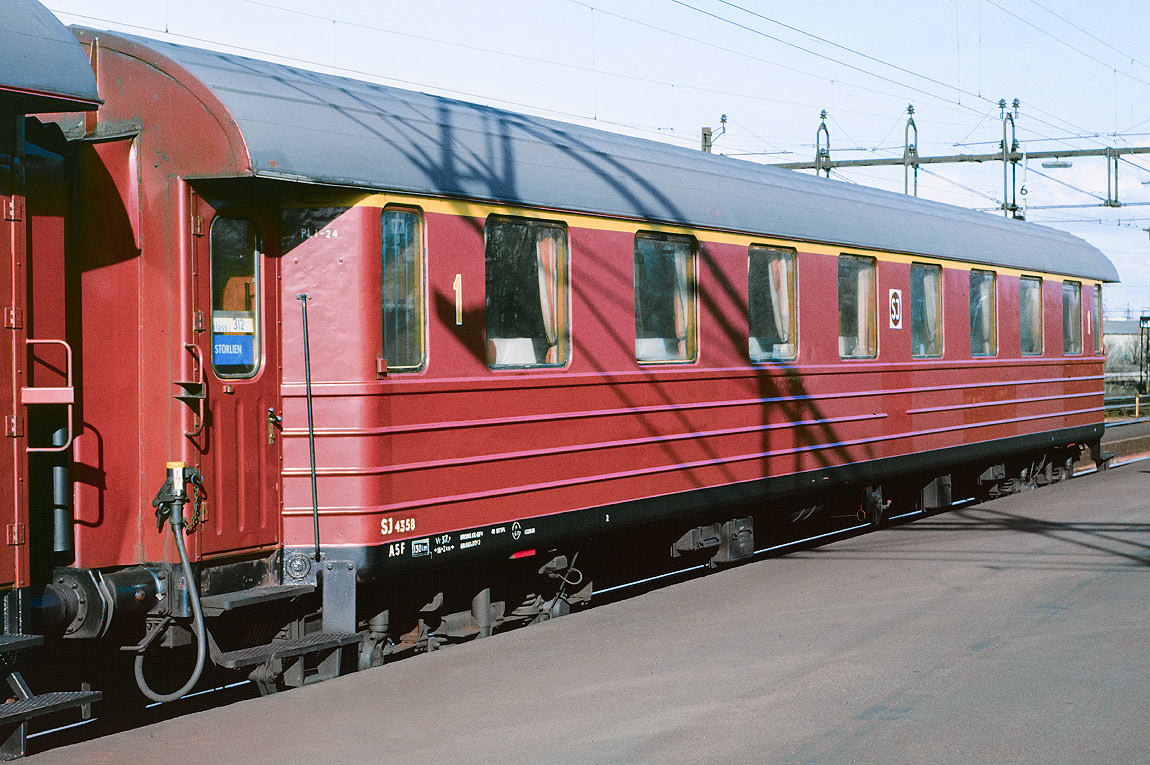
233,350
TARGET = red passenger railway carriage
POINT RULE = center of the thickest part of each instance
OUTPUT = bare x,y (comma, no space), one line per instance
520,334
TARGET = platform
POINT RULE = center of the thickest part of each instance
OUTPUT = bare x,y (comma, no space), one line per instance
1014,631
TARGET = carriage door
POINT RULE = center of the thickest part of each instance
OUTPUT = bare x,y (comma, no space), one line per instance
235,305
13,464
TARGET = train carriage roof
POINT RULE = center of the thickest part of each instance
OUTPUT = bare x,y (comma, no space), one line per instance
322,128
42,67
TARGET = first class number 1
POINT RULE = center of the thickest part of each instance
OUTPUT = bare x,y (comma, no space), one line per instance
396,525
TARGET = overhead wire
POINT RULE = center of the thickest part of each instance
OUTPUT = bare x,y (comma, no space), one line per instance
363,73
751,57
1058,39
732,121
962,186
857,53
664,135
1067,185
578,67
1132,163
1122,53
536,59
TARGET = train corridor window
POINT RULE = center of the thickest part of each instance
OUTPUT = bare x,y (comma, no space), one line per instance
1071,318
858,322
771,303
235,258
925,310
525,264
401,255
1098,318
1030,315
664,298
983,314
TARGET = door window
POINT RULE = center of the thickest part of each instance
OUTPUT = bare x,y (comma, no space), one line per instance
401,255
235,298
1071,318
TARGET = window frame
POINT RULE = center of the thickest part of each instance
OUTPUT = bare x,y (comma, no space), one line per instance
993,352
1041,315
872,323
1097,319
1077,321
691,304
940,331
421,238
793,303
257,290
562,292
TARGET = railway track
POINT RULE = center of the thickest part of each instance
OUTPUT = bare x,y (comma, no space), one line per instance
653,575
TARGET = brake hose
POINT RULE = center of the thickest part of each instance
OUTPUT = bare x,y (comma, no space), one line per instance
176,520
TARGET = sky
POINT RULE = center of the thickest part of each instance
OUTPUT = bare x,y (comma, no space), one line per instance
663,69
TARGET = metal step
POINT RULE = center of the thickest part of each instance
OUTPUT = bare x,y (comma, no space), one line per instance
23,710
12,643
215,605
283,649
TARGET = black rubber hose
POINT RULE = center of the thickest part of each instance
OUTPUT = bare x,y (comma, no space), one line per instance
197,627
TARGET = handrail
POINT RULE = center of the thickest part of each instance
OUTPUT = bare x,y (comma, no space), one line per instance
53,395
194,390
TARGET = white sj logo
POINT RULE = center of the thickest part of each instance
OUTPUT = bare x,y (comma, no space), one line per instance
896,309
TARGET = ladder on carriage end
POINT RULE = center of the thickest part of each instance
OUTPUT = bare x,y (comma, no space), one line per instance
24,705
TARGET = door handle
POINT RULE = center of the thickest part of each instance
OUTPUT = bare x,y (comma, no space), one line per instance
274,421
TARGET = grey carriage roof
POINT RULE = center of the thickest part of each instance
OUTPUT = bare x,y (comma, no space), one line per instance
330,129
42,67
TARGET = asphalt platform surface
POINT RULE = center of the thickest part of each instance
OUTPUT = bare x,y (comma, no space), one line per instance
1014,631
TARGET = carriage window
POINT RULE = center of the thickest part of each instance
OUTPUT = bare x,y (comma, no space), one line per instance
664,298
401,254
983,314
857,319
1071,318
235,261
1030,315
526,293
771,303
925,310
1098,318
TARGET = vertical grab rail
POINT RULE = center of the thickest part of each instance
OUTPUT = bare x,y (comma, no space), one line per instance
303,298
65,395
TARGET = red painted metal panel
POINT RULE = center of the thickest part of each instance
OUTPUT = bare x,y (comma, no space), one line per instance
461,445
112,343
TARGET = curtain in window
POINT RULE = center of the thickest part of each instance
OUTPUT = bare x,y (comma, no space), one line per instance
930,310
779,278
680,302
866,309
548,263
